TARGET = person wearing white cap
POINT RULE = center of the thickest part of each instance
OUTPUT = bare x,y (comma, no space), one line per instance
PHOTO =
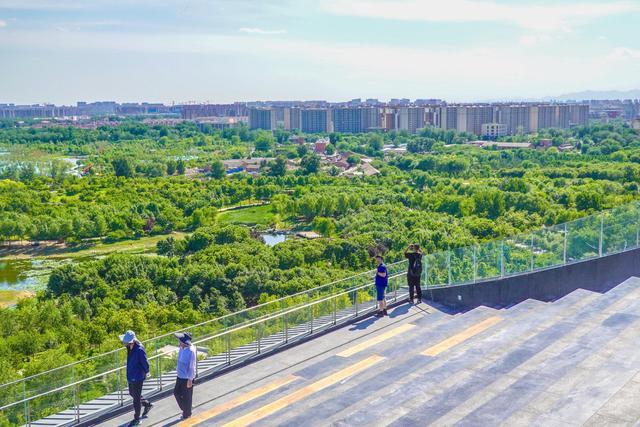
137,371
186,373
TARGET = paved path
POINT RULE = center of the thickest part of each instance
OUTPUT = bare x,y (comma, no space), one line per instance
572,362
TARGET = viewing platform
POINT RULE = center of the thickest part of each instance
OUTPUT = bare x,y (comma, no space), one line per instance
569,362
539,329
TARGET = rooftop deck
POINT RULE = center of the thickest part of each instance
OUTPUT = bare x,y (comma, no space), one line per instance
570,362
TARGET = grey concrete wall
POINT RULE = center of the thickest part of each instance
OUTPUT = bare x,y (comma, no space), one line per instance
600,275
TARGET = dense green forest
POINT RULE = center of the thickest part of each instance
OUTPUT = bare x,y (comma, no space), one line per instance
441,193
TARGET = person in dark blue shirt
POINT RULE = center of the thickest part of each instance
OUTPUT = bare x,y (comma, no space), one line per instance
382,280
137,371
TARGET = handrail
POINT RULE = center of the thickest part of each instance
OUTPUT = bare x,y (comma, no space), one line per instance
519,253
195,342
206,322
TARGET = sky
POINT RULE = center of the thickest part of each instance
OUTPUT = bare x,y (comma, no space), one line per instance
64,51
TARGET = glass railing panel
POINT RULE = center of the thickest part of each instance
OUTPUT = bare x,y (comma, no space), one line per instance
215,349
104,389
488,260
243,341
49,381
517,254
620,229
548,247
272,332
15,415
346,307
367,299
10,393
397,286
437,266
207,329
323,313
583,238
462,264
61,402
298,322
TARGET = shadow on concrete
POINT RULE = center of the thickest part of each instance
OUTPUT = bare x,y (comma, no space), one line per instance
360,326
400,310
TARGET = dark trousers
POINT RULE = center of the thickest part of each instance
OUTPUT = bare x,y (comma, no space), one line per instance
414,286
135,390
184,396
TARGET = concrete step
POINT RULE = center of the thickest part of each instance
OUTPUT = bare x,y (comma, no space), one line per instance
533,352
457,366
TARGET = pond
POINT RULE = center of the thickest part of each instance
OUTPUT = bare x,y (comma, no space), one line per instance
27,274
272,239
23,275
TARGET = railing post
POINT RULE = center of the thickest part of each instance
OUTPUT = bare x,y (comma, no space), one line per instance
311,319
475,265
196,373
395,291
75,394
335,310
601,234
426,272
26,403
531,252
120,394
502,258
355,301
259,329
228,339
158,373
449,266
564,249
286,328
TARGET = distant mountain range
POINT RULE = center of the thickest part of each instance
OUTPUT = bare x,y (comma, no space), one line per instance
596,94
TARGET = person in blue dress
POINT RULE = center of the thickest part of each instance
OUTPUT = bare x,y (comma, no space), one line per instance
382,281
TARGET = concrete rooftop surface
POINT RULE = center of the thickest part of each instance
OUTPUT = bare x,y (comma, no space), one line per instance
570,362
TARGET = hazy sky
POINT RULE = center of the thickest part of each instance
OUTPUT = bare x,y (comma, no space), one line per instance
63,51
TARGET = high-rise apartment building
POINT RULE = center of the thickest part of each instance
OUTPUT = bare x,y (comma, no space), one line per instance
515,117
314,120
261,118
292,118
356,120
474,117
579,114
448,117
410,119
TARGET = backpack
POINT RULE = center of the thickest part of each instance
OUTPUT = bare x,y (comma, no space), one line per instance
416,268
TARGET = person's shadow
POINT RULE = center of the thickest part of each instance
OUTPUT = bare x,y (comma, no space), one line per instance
400,310
360,326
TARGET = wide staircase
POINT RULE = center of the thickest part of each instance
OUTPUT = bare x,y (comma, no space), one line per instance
570,362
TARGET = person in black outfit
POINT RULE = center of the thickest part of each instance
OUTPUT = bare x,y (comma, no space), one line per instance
414,255
137,372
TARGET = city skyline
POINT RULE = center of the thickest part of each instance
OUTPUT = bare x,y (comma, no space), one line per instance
224,51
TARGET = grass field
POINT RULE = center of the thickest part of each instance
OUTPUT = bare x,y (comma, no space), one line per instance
256,215
8,298
144,244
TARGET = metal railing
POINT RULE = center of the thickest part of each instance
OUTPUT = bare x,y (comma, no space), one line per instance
34,392
605,233
80,397
235,337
